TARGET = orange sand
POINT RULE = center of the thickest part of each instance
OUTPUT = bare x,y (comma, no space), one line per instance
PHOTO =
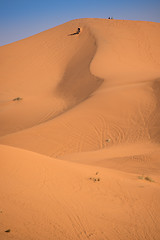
90,104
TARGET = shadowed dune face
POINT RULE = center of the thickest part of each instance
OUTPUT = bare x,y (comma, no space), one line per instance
77,82
154,124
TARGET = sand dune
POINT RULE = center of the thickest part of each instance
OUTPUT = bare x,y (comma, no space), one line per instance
47,198
50,72
88,103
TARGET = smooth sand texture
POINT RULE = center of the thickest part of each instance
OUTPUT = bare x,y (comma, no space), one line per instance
89,104
45,198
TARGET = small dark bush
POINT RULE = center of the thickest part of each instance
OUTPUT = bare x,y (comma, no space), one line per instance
17,99
95,179
146,178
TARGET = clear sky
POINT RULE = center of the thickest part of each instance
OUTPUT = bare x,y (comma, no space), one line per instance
23,18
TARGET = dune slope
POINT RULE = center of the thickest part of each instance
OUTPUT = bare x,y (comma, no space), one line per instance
124,110
50,72
88,109
44,198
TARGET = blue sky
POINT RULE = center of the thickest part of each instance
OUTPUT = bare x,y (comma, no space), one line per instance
23,18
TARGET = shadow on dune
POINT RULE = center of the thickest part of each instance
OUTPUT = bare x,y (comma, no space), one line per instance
154,123
77,82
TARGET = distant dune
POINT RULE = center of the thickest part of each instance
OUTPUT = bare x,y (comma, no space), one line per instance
80,132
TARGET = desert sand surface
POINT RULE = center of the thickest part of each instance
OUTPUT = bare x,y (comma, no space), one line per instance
80,133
